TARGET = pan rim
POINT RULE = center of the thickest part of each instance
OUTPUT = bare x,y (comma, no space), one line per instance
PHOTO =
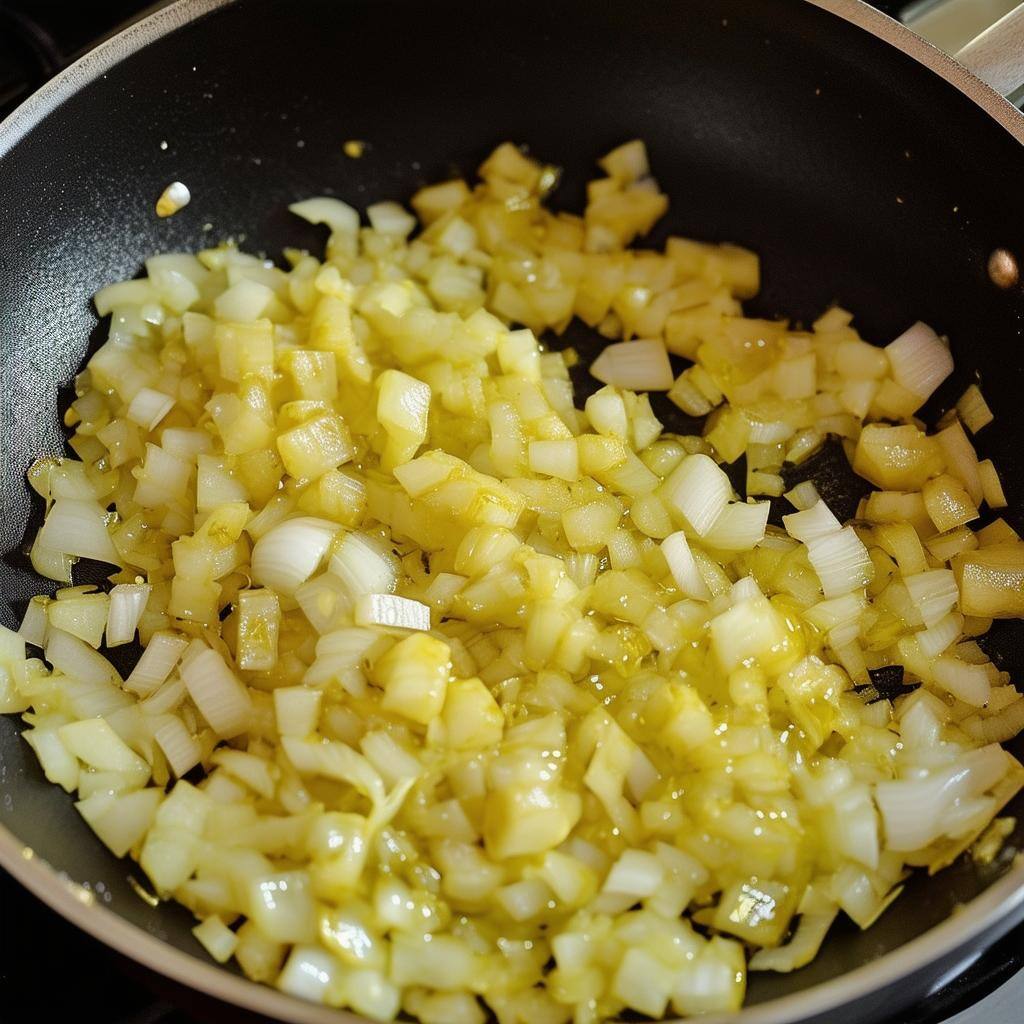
994,911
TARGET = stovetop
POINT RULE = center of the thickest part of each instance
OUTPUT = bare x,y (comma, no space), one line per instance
37,38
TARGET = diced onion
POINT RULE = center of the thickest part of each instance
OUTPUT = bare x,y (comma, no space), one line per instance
156,663
699,491
149,407
78,528
640,365
684,569
289,554
920,360
389,610
127,603
222,700
180,748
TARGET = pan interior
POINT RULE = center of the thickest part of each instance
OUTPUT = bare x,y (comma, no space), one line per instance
859,176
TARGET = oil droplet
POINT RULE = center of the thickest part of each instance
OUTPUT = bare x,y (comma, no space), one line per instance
1002,268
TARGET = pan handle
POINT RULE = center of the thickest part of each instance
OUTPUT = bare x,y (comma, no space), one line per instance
996,56
986,36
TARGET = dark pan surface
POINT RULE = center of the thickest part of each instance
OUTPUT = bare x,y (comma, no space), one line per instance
859,176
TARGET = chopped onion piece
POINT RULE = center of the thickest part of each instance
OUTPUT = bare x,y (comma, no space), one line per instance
811,523
934,593
338,216
364,566
390,610
969,683
34,622
681,564
739,527
222,700
803,496
216,938
149,407
180,748
840,560
388,219
77,659
296,709
640,365
127,603
157,662
287,555
78,528
920,360
973,409
699,491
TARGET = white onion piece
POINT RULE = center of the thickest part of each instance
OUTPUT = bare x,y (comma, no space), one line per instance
803,496
914,811
676,549
934,640
243,302
297,710
149,407
34,622
801,949
77,659
218,693
364,566
640,365
173,198
636,873
179,747
338,216
841,561
762,432
216,938
389,219
309,972
165,699
127,603
287,555
969,683
812,522
334,760
934,593
389,610
78,528
157,662
121,820
739,527
699,490
920,360
68,480
93,741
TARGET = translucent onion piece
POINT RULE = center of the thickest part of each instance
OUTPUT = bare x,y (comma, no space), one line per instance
640,365
127,603
180,748
222,700
290,553
390,610
920,360
78,528
156,663
699,491
685,572
149,407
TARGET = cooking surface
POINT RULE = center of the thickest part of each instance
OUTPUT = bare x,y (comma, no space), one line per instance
45,963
